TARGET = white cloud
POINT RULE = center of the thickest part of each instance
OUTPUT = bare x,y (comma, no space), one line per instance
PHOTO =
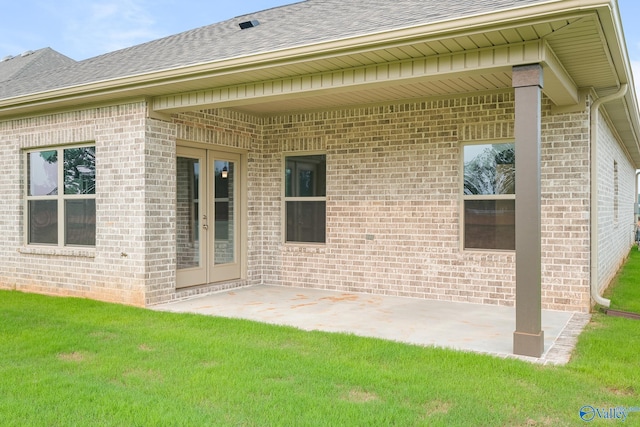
104,26
103,11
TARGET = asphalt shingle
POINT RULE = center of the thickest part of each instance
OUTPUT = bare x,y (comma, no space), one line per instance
32,63
298,24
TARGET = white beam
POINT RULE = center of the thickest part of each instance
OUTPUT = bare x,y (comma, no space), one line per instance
558,85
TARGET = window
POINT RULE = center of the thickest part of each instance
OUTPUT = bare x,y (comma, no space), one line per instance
305,198
61,217
489,196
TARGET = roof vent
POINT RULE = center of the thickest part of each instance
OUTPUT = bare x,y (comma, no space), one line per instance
6,58
27,53
249,24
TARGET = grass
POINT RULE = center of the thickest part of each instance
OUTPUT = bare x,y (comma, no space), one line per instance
624,292
74,362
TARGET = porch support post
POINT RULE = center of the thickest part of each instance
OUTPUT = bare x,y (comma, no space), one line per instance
528,338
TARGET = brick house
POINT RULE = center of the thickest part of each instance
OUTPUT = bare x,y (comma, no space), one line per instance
359,145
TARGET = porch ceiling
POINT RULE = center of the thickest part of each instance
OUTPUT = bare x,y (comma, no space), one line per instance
575,49
424,67
426,88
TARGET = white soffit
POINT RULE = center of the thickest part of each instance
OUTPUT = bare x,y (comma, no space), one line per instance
460,64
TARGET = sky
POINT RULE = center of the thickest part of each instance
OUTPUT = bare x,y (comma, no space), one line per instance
81,29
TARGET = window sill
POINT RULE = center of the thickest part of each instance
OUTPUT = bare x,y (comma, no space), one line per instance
58,251
304,247
488,252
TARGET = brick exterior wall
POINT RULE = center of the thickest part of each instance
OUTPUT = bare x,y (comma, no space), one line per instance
11,213
227,130
565,211
616,199
114,270
393,202
159,204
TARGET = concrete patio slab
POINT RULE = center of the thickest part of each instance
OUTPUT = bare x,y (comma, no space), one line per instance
468,327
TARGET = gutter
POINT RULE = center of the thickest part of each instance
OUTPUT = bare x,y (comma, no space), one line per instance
594,116
474,24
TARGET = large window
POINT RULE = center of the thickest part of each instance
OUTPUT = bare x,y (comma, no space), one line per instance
489,196
61,196
305,198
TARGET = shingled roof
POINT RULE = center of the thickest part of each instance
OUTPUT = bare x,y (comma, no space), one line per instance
32,63
298,24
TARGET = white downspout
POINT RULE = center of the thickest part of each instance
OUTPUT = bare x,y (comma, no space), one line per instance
594,115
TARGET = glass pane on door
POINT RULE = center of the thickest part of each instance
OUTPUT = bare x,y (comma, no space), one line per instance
188,213
224,212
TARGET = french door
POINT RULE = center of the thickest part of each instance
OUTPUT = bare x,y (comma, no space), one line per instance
208,216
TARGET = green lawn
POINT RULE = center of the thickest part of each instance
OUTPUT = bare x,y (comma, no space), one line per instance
73,362
625,290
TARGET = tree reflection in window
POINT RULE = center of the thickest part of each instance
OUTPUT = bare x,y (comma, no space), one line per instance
489,169
68,218
489,196
80,170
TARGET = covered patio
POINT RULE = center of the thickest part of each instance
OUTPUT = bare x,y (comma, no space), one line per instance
307,152
486,329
